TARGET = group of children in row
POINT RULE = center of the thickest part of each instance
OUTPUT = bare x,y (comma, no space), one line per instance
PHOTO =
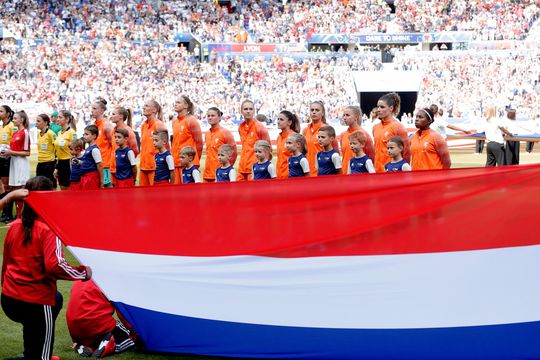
328,161
87,173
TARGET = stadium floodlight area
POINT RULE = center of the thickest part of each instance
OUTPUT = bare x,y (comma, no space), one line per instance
371,85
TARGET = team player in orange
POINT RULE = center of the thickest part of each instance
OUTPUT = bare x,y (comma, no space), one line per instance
33,262
121,119
318,119
352,115
152,113
428,148
288,123
105,139
186,132
250,131
213,139
387,108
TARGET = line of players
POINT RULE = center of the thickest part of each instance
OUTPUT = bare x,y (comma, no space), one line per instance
106,154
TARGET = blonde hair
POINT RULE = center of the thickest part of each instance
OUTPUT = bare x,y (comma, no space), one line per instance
299,139
321,104
163,135
265,145
71,119
226,149
189,151
191,107
159,114
491,112
126,113
24,117
356,111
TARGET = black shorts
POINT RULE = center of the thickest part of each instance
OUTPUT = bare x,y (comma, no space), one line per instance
64,172
4,167
47,169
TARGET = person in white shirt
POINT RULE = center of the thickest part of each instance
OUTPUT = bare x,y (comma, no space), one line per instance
440,124
494,130
512,147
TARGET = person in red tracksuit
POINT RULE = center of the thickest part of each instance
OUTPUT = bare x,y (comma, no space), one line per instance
93,329
33,262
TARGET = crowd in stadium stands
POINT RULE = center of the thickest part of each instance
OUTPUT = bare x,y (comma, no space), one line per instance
69,70
75,75
273,21
488,19
464,83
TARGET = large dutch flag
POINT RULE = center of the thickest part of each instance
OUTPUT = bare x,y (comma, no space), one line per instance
436,264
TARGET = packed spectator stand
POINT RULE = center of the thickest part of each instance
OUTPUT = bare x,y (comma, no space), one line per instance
71,52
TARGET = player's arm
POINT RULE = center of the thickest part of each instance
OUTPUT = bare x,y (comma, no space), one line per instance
109,133
197,176
195,129
133,163
304,163
370,167
96,155
228,138
132,143
457,128
272,171
400,131
56,265
336,160
232,175
170,164
369,148
262,133
335,145
442,150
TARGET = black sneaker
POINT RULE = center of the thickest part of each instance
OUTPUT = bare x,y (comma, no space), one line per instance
84,351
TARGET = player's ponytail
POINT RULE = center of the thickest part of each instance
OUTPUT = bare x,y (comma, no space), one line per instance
126,113
392,100
357,112
301,140
70,119
28,215
191,107
25,121
213,108
295,123
159,110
